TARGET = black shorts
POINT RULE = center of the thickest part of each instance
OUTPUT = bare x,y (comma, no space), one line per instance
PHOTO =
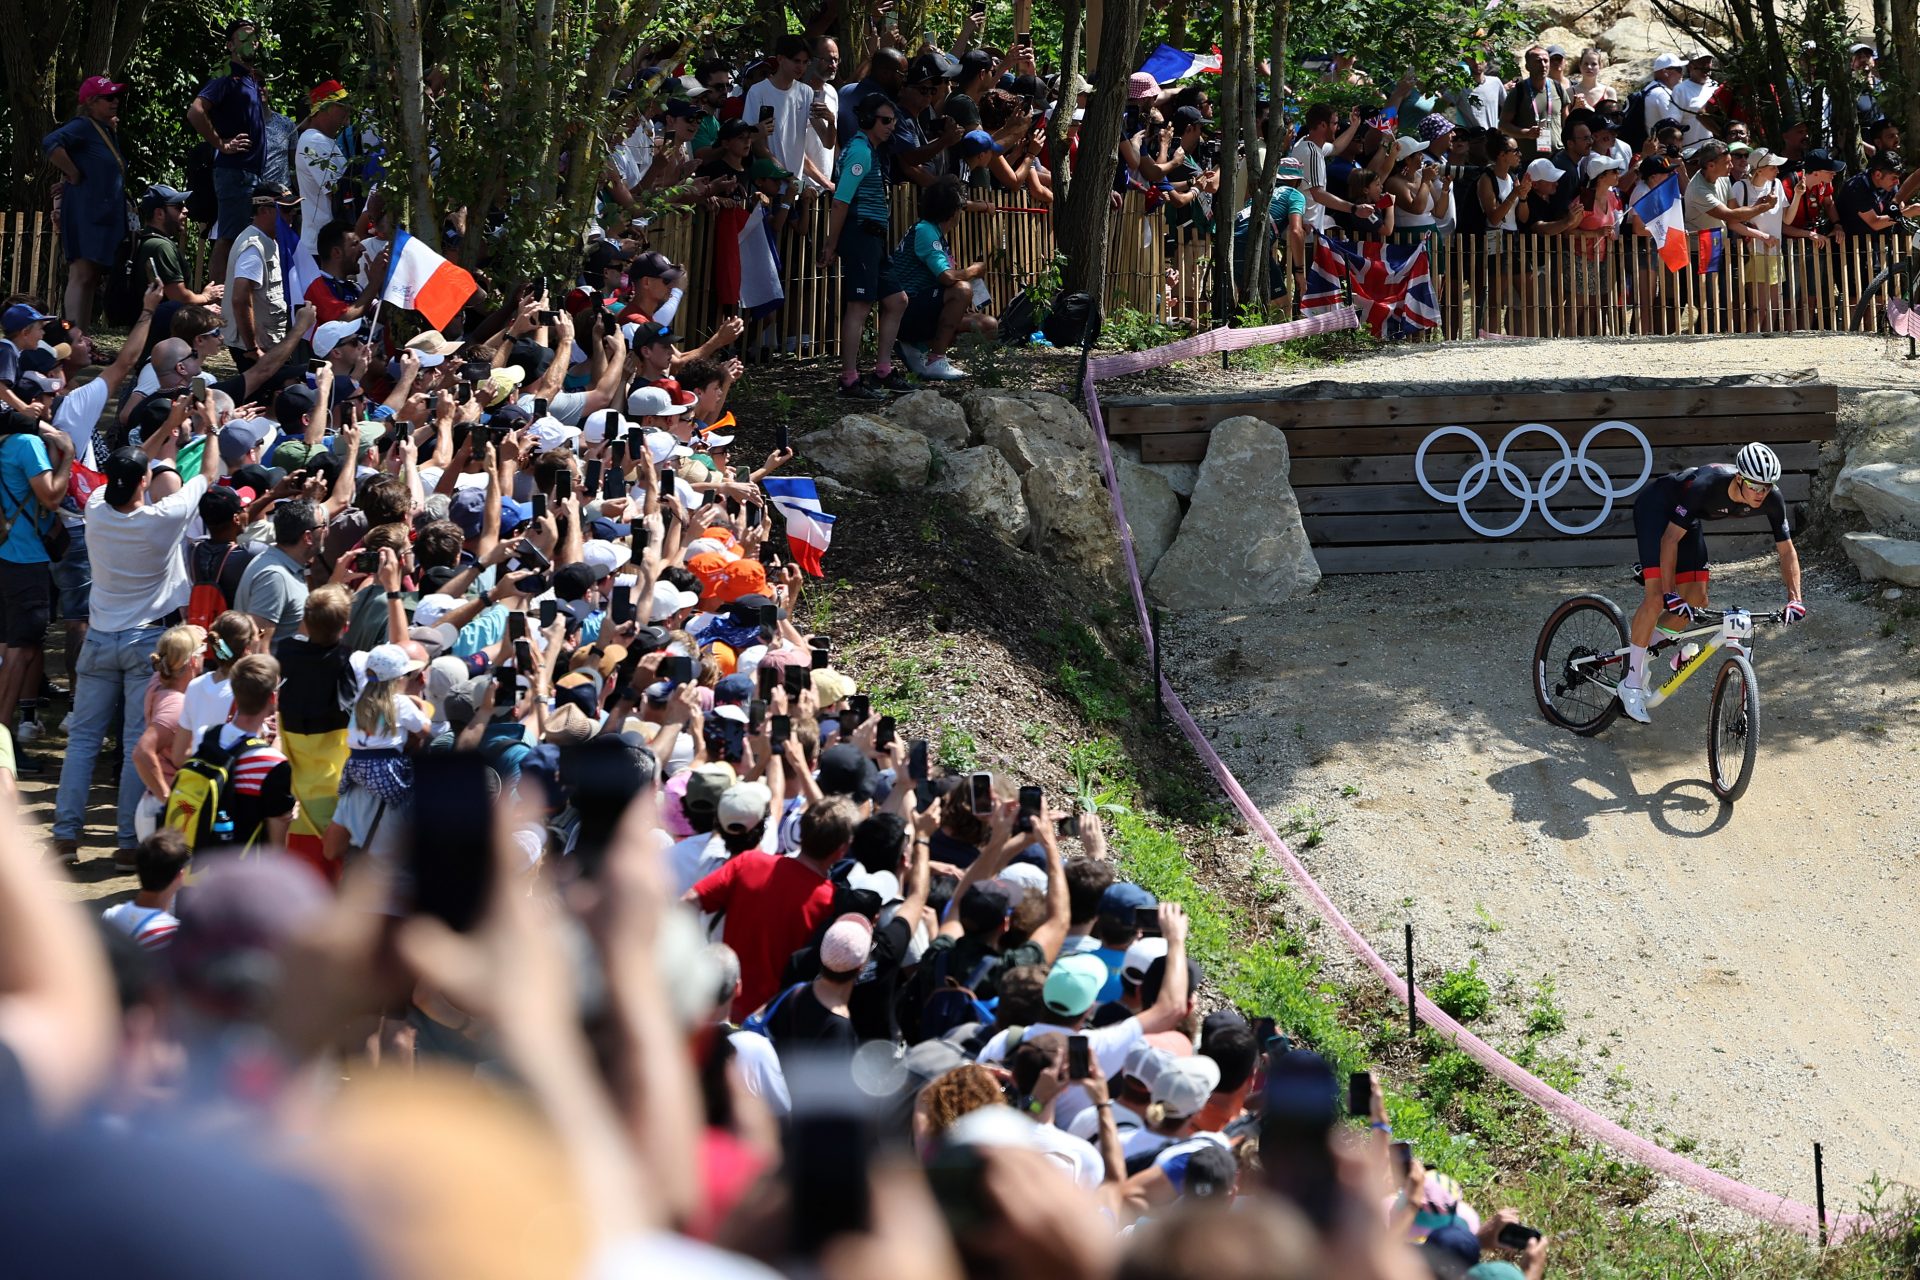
863,254
922,320
1650,520
26,604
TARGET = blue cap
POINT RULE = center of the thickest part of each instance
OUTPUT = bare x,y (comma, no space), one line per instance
19,316
159,195
513,514
1122,899
467,510
734,688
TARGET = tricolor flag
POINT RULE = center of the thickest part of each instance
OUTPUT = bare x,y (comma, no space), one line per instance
297,266
809,529
1712,254
1167,64
1660,210
421,279
1392,285
761,292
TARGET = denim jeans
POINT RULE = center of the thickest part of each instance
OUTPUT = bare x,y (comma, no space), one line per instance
73,576
233,188
111,679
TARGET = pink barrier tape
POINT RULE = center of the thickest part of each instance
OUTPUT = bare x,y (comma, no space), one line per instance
1215,340
1779,1210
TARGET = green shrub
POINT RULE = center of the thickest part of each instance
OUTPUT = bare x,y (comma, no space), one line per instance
1463,993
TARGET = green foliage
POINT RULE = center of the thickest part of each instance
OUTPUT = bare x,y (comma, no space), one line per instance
1089,675
1463,993
1304,824
1450,1073
1132,330
1544,1015
958,750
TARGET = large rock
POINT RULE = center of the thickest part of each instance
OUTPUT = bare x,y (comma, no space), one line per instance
869,453
1881,475
988,489
1030,427
1883,559
1073,518
1242,544
1153,512
939,419
1180,476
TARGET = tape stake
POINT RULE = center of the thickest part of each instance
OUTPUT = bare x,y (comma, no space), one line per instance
1413,991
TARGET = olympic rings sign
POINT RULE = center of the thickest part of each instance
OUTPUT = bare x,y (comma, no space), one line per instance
1556,477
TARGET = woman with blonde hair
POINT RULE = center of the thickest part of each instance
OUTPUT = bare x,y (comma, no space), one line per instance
209,699
176,661
378,776
1589,90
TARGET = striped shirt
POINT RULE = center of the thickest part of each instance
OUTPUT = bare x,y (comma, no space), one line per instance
151,927
862,183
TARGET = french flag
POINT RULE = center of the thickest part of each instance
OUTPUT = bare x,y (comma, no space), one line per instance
761,292
1712,251
1167,64
1660,211
297,266
809,529
421,279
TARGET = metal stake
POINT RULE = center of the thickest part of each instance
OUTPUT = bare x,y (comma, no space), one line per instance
1820,1191
1413,1001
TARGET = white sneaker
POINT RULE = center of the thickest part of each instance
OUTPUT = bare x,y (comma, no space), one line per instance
941,369
915,358
1633,700
27,731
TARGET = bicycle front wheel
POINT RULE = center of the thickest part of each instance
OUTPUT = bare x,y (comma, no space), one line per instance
1581,641
1733,729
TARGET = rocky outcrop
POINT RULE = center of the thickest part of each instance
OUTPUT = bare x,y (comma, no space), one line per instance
985,486
1073,518
1029,427
1881,475
1242,543
1883,559
942,421
869,453
1153,512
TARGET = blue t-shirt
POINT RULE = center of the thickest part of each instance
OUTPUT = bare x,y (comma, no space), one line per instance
1113,960
234,106
22,457
918,262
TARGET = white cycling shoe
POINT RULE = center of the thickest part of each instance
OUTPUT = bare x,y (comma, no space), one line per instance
1633,701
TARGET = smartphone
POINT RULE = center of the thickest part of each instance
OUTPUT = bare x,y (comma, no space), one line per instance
830,1139
779,730
753,515
532,557
450,853
667,478
766,680
199,391
769,555
1359,1094
769,616
540,406
539,506
1031,800
522,654
622,604
615,486
616,451
1024,39
462,393
517,626
1515,1235
756,715
434,401
477,439
315,366
1079,1058
781,434
596,470
545,317
917,760
366,562
883,735
982,794
1068,826
1147,921
766,114
549,610
797,679
677,670
1402,1160
859,707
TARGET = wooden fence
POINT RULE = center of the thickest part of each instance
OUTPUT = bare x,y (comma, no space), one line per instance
30,259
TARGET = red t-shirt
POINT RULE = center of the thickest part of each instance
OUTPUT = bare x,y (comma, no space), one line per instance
773,905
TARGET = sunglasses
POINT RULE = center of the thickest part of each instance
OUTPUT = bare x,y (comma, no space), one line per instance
883,119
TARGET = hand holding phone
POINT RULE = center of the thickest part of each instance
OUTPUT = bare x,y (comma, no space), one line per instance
1360,1093
1079,1058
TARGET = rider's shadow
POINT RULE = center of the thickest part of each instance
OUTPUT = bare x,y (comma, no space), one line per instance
1560,795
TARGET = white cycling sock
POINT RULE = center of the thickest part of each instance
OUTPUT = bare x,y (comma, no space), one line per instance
1637,666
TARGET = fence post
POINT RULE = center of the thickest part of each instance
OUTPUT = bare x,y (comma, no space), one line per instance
1820,1192
1413,997
1159,707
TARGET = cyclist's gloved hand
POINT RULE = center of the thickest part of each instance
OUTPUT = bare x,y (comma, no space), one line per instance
1677,606
1792,613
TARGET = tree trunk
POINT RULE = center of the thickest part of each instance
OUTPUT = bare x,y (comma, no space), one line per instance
423,219
1061,119
1273,151
1904,35
1080,225
1177,23
1236,82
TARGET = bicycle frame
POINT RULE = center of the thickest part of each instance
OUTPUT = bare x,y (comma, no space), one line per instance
1733,631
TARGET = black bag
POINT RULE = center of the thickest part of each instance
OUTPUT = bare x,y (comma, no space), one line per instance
1633,127
1017,322
203,205
126,283
1074,321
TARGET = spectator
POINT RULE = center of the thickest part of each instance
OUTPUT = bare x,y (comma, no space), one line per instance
335,293
273,590
1764,272
161,865
165,213
785,105
1693,97
816,1013
1535,107
1479,103
940,295
230,113
823,72
1599,212
1316,140
319,163
256,289
93,218
176,664
1588,89
1657,98
858,234
209,697
886,73
1868,204
259,797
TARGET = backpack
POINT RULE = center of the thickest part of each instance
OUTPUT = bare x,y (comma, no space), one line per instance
196,806
759,1023
207,600
1633,128
203,204
953,1004
1073,321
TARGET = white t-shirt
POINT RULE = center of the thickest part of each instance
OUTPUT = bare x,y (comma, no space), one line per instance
791,124
817,151
208,701
138,571
759,1067
318,163
77,414
1659,103
1313,176
407,715
1109,1046
250,265
632,158
1691,99
1746,192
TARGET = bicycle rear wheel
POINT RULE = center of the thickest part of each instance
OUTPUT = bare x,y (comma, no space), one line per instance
1733,729
1569,696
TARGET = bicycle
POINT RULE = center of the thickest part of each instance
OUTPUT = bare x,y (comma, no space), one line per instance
1582,655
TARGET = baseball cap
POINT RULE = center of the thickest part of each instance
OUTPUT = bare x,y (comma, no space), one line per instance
295,401
1140,957
100,87
1185,1085
669,600
1544,170
1073,984
934,65
1864,47
1668,61
572,582
734,688
706,785
1145,1063
267,193
844,770
653,402
1122,899
124,468
20,315
160,195
242,435
1187,117
333,333
549,433
38,384
219,505
1819,159
682,109
432,608
736,128
648,335
468,511
846,945
1762,157
744,806
604,557
1595,165
432,346
1404,147
656,266
390,662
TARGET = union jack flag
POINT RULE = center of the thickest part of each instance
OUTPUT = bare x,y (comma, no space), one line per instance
1392,285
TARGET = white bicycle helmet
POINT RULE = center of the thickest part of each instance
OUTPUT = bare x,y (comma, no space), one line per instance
1758,464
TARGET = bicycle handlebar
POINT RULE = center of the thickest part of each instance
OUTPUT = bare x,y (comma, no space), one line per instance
1713,617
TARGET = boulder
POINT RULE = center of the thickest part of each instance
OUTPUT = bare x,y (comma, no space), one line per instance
1881,475
1242,544
940,420
988,489
1180,476
1883,559
1153,513
869,453
1073,518
1029,427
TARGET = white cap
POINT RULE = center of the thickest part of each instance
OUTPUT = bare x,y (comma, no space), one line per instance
1668,62
550,433
669,600
654,402
1140,955
661,445
433,608
390,662
332,334
1184,1087
1543,170
1404,147
605,557
594,427
1025,875
1595,165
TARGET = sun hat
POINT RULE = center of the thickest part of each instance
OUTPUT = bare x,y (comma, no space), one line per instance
1074,984
390,662
1183,1088
1141,85
744,806
1434,126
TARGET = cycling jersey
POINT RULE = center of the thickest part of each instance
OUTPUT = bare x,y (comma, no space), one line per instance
1686,498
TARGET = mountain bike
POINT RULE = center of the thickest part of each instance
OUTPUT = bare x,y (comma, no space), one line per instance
1582,656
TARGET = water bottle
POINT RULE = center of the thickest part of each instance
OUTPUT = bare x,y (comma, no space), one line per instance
222,827
1684,654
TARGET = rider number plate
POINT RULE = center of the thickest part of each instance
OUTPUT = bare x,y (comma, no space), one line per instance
1739,625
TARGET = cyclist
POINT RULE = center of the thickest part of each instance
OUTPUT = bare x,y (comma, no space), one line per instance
1673,550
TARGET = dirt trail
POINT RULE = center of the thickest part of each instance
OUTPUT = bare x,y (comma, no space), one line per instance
1741,977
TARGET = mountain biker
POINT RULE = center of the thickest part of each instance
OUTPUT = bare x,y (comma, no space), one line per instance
1673,550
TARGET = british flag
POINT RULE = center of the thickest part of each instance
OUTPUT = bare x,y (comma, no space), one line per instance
1392,285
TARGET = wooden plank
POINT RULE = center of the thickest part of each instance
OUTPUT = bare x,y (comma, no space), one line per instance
1345,442
1356,499
1133,415
1442,524
1559,553
1398,469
